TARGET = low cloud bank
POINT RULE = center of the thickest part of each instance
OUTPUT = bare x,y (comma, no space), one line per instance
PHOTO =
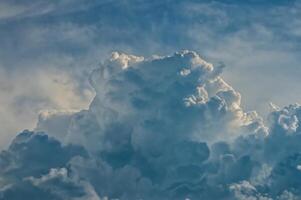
158,128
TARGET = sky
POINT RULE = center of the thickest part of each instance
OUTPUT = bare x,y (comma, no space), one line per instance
117,83
48,48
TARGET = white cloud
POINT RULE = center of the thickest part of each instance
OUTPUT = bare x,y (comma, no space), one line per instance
139,139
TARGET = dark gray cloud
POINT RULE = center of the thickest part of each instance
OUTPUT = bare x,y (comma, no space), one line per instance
35,154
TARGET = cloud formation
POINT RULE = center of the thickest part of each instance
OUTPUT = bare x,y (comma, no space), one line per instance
62,39
158,128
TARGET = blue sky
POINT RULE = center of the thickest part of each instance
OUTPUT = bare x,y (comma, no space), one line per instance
50,48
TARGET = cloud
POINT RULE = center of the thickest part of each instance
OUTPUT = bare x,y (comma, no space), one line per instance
49,46
70,37
133,97
23,97
164,127
63,185
35,154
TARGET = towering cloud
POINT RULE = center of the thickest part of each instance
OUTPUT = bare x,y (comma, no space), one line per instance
158,128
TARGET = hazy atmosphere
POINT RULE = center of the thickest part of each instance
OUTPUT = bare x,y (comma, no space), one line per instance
150,100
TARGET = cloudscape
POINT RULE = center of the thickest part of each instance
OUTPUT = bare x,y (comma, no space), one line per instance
149,100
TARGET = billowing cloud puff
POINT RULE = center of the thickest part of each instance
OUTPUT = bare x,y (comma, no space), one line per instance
158,128
32,154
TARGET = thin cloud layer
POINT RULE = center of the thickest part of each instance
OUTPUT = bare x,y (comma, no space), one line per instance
158,128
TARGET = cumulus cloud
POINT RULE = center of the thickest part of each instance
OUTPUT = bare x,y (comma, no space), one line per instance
158,128
68,36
